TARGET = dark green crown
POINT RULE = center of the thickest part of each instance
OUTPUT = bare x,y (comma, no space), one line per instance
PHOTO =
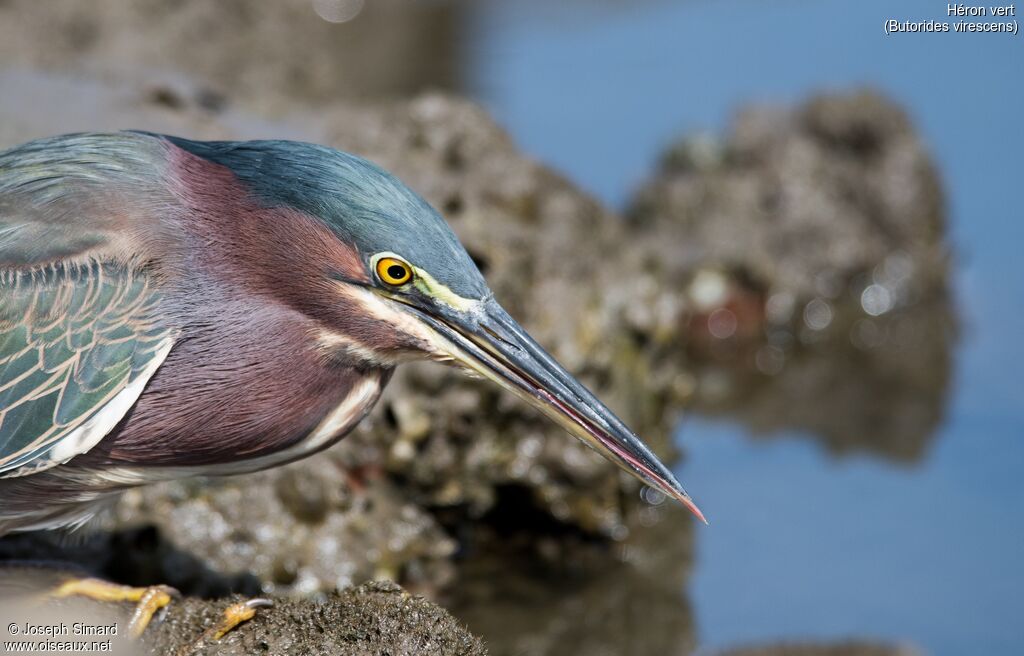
362,203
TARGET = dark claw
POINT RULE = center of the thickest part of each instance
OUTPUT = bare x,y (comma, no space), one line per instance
259,602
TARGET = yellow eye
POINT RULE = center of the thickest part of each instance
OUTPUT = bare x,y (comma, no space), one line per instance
393,271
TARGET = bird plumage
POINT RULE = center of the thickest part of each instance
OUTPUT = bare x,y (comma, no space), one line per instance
171,307
77,345
184,252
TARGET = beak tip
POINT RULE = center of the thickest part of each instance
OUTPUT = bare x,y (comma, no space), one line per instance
692,507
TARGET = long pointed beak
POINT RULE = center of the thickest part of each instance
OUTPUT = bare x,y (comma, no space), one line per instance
488,341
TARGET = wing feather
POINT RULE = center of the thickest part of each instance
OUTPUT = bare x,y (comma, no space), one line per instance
77,345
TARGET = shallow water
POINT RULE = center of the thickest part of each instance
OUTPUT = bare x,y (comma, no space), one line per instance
803,543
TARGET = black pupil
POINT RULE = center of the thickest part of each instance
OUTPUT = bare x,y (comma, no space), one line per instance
396,271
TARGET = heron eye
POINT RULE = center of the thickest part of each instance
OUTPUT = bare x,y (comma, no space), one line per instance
393,271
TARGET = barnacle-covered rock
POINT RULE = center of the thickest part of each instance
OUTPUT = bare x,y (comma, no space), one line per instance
303,529
820,200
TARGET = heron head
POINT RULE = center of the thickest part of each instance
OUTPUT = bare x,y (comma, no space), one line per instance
410,290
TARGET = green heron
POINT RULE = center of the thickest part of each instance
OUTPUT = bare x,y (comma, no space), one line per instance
172,307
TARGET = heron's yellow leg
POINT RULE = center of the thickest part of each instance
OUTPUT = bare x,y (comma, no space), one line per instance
147,600
234,615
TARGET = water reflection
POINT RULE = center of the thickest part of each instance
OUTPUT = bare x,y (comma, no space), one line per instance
875,384
531,596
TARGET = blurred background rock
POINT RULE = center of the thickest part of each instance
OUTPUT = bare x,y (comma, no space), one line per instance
269,55
811,247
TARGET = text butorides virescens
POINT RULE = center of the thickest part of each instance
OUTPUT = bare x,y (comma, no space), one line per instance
172,307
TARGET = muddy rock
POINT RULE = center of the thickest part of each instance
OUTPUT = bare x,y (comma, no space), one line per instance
373,618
